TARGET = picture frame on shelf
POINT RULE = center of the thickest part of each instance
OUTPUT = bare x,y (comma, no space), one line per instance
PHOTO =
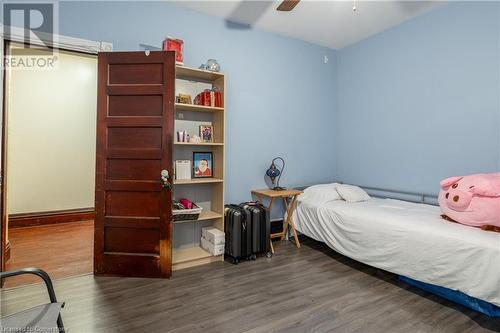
177,45
207,133
202,165
184,99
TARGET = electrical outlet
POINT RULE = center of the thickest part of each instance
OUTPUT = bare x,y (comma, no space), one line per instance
325,59
180,115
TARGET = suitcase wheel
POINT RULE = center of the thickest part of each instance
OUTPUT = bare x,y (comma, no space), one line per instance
269,254
232,260
253,257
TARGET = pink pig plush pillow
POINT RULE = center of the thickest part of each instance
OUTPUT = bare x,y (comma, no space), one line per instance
472,200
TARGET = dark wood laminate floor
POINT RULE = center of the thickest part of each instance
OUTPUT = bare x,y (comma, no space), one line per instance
62,250
311,289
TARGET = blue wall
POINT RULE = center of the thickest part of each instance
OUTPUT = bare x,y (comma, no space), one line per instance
278,94
420,102
401,109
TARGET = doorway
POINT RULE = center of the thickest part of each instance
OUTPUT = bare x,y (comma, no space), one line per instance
49,165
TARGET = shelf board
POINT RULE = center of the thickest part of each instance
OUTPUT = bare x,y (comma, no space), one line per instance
196,108
189,254
197,181
199,144
190,257
182,72
206,214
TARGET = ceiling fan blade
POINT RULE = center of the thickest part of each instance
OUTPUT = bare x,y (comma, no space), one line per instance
287,5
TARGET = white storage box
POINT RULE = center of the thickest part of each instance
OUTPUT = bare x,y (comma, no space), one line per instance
213,235
214,250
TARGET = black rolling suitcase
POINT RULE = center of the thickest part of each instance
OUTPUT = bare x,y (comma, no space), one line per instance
261,227
247,231
238,235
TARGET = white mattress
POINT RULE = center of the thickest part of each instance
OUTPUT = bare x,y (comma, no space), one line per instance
408,239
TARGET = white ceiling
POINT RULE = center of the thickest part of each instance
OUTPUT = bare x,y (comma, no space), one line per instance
328,23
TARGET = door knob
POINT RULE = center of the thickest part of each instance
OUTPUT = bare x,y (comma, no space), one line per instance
164,178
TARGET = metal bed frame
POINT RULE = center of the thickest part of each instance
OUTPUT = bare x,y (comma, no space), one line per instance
422,197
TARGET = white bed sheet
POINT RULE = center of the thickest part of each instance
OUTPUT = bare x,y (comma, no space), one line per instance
408,239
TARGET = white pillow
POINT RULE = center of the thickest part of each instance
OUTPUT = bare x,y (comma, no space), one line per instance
318,195
351,193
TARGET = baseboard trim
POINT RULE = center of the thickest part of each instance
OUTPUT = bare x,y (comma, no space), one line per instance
52,217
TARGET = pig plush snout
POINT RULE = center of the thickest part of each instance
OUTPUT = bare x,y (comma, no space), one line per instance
458,199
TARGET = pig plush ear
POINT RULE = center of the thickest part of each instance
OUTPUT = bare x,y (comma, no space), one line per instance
491,191
449,181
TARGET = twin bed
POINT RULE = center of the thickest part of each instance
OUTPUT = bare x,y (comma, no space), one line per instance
405,238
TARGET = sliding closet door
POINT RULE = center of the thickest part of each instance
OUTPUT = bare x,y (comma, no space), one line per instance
133,224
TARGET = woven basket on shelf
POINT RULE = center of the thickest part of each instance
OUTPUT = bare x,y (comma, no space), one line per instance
187,214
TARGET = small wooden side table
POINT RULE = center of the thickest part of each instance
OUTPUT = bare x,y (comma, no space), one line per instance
289,197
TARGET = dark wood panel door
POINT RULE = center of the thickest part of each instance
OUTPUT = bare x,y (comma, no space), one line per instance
133,224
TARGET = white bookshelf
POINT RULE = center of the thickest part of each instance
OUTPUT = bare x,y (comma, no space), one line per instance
206,192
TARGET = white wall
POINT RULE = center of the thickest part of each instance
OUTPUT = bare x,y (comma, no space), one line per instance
51,125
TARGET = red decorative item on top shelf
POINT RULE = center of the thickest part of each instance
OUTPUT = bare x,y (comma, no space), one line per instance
209,97
175,44
206,97
218,98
